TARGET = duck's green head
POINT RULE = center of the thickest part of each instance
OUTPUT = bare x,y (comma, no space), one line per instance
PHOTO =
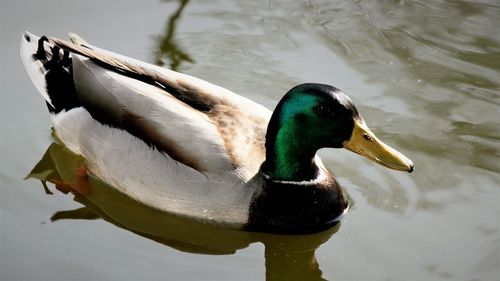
313,116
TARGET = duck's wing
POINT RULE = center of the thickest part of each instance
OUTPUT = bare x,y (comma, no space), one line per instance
199,94
203,126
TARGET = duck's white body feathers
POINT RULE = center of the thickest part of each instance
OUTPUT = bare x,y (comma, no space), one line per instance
179,144
151,177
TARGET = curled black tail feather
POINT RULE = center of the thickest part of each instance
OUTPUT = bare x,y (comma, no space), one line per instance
58,72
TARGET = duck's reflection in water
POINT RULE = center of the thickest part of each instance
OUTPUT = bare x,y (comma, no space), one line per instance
288,257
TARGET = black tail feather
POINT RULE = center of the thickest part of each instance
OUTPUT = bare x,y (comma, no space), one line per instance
59,78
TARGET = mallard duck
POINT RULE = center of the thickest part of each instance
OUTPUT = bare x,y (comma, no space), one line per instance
182,145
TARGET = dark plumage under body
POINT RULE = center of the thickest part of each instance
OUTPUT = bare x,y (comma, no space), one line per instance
283,207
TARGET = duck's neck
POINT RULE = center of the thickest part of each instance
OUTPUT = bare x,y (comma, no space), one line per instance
288,156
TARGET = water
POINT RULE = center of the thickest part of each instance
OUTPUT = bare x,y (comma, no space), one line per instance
425,76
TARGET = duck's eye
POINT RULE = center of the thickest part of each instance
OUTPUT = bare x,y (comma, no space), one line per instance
323,111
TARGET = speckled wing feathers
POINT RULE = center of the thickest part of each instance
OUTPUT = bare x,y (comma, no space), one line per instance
240,123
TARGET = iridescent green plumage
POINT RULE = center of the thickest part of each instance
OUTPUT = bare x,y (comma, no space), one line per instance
309,117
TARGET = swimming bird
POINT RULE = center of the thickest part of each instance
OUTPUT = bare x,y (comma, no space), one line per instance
182,145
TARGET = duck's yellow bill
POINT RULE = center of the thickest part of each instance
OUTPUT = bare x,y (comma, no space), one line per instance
365,143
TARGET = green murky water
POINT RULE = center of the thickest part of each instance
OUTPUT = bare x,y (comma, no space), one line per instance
425,75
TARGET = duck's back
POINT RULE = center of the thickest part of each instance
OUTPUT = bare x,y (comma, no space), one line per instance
169,140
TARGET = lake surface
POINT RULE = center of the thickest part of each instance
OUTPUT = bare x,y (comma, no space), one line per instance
424,75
